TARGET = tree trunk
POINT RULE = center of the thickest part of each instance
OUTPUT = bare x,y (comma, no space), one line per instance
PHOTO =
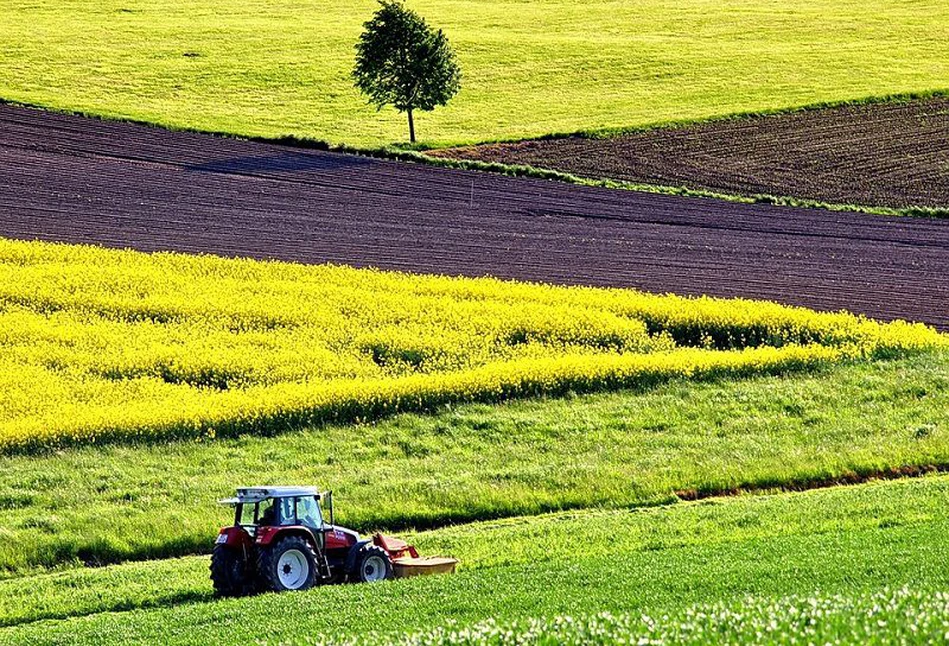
411,127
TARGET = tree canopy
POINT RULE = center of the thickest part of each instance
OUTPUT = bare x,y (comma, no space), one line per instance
401,61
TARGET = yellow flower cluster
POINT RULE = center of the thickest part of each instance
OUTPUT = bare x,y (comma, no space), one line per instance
99,345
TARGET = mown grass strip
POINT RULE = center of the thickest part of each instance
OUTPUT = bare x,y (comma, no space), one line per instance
843,540
477,462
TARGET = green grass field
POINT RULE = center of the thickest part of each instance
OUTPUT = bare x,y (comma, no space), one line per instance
530,68
902,616
476,462
849,540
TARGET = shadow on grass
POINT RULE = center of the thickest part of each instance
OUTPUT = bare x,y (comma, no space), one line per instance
120,605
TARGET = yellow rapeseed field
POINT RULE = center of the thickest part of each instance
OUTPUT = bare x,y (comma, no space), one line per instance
103,345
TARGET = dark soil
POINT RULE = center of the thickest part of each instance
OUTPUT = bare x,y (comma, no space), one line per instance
121,185
883,154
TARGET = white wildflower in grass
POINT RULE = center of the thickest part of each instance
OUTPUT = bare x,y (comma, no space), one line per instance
901,616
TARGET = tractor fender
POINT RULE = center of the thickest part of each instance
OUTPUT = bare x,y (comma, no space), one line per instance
353,552
268,535
234,537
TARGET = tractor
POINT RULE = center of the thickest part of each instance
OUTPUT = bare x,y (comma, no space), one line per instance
280,541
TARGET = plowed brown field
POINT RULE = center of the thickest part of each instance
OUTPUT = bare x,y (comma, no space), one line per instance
884,154
78,180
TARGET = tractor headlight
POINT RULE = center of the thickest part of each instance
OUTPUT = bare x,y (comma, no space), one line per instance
221,538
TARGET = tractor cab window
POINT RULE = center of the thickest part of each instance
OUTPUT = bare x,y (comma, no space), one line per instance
245,515
267,514
308,512
287,517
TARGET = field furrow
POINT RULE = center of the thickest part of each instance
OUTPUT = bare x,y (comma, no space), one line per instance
879,154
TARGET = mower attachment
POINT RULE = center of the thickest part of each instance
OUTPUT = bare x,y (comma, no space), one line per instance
406,561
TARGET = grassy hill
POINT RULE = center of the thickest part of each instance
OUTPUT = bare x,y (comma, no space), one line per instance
848,541
282,66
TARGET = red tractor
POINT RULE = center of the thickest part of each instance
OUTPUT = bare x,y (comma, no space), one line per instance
280,541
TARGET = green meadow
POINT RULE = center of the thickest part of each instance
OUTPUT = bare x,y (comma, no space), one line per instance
530,68
848,541
477,461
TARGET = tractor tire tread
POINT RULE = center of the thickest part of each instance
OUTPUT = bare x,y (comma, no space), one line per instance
267,562
365,552
222,571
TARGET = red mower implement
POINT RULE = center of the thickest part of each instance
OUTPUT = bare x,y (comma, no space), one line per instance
280,541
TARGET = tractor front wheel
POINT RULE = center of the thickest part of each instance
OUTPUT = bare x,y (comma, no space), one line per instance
289,564
229,572
372,564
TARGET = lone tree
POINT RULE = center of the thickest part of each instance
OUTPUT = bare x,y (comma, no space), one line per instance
402,61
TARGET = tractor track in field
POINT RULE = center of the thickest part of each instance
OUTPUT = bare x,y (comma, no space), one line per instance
73,179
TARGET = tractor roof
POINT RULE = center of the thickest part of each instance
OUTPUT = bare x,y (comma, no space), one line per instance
257,494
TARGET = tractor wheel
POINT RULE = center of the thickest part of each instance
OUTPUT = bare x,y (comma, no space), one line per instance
229,572
288,564
372,564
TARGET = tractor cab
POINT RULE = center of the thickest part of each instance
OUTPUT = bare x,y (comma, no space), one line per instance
261,507
261,514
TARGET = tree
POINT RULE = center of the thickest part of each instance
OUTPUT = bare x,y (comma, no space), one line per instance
402,61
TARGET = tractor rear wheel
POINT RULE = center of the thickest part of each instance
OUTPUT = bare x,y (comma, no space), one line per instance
288,564
372,564
230,572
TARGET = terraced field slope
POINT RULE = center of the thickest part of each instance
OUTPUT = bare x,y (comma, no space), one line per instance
879,154
282,66
78,180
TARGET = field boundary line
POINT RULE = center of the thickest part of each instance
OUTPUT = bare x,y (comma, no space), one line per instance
660,189
846,479
419,154
670,124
